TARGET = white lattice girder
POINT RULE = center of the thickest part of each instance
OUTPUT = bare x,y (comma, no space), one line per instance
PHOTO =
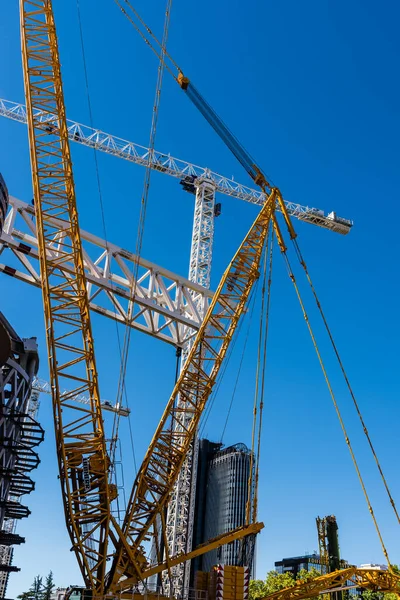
166,306
165,163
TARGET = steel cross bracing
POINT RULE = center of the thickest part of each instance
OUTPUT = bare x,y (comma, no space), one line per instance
10,525
41,386
165,163
167,306
180,515
170,444
203,233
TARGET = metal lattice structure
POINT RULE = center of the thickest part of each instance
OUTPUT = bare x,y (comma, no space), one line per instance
177,428
80,439
203,233
79,430
166,306
20,434
204,183
322,545
40,386
345,579
180,514
165,163
66,291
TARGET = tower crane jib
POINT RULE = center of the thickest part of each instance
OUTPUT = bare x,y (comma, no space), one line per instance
187,172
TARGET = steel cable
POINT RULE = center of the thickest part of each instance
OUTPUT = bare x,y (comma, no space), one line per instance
267,313
328,383
143,209
113,473
349,387
239,369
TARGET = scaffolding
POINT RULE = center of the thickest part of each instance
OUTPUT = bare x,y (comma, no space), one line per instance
20,434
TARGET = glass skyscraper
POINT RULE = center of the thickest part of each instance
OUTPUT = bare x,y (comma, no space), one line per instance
221,497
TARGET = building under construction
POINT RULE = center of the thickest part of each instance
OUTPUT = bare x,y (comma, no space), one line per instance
20,433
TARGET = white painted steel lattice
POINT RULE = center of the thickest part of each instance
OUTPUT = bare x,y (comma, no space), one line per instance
166,306
165,163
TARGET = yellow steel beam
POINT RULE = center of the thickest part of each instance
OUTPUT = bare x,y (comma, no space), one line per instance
373,579
225,538
176,429
80,438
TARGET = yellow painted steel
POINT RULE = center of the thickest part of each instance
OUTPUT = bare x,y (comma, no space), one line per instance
372,579
79,431
81,449
221,540
176,429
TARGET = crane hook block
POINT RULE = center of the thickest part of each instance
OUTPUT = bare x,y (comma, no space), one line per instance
183,81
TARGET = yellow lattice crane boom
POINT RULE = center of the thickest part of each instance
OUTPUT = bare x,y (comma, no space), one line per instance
79,431
81,448
373,579
176,430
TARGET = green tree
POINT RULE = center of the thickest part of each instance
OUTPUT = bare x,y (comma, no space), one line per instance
257,589
304,575
35,591
274,582
370,595
49,586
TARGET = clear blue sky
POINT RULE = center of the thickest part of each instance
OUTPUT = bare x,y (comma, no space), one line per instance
312,90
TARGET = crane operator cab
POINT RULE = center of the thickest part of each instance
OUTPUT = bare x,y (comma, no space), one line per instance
76,592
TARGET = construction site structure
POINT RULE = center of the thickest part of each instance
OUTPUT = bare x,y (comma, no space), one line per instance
165,306
20,435
375,579
204,184
176,326
224,582
40,386
328,542
190,175
81,444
